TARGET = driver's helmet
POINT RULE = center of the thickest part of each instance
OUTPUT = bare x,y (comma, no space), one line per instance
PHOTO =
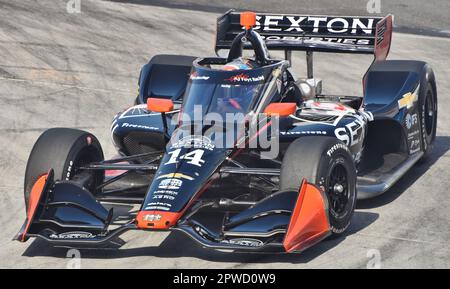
238,64
237,96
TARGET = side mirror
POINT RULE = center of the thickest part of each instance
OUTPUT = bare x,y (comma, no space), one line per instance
280,109
159,105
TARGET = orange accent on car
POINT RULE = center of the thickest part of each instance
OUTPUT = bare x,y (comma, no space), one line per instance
281,109
248,19
309,221
159,104
33,202
157,220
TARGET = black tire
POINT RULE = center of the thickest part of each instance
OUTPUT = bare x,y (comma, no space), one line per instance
62,149
428,112
327,163
137,100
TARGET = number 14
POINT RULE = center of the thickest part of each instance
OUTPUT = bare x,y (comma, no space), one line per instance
193,157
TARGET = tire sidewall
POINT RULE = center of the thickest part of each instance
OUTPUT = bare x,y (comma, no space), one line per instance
313,157
338,154
74,154
46,155
427,86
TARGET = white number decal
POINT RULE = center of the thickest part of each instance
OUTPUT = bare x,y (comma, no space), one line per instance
173,156
193,157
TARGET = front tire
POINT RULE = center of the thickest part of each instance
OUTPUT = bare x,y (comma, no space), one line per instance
327,163
63,150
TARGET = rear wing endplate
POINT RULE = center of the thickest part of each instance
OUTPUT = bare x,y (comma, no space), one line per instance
347,34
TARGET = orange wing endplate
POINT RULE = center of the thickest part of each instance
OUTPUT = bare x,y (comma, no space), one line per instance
309,221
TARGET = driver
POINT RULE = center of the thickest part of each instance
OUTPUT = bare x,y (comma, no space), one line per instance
239,64
236,98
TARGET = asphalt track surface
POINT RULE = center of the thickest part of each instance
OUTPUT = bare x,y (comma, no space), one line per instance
412,16
78,70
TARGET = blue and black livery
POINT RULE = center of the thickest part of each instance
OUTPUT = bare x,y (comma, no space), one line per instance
333,149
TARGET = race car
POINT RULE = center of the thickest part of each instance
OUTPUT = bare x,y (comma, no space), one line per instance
175,167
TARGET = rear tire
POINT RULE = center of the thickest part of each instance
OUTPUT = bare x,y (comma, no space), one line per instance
62,149
327,163
428,112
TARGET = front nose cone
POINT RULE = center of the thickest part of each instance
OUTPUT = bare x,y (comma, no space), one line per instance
157,220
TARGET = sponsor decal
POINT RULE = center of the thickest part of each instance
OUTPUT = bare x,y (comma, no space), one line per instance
195,76
126,124
415,146
165,192
176,175
414,141
164,197
325,40
194,141
69,170
315,24
158,206
242,77
336,147
424,132
73,235
304,132
248,242
171,184
408,99
410,120
152,217
413,134
351,133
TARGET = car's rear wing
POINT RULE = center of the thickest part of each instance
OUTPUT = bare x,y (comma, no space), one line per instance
348,34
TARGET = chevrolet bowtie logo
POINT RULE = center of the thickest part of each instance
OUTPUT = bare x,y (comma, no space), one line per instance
408,99
176,175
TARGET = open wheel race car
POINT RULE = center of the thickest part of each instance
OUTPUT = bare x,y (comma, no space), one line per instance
332,149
